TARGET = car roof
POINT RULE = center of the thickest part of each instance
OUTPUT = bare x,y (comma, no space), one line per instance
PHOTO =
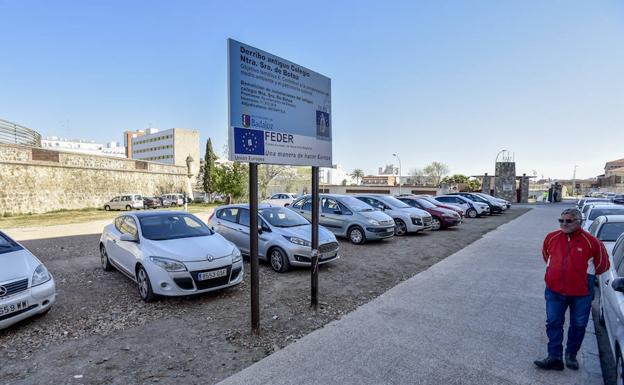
141,214
245,206
612,218
601,206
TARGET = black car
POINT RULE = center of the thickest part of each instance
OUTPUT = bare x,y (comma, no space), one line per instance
494,208
619,199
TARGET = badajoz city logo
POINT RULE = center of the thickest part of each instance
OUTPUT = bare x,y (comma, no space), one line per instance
249,121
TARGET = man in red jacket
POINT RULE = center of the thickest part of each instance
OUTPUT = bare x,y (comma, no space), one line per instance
573,259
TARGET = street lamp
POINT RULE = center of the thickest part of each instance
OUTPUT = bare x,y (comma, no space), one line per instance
399,159
496,160
189,175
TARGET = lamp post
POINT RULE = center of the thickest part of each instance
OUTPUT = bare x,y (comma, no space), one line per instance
189,188
399,159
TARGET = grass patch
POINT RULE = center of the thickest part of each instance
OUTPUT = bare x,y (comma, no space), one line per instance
61,217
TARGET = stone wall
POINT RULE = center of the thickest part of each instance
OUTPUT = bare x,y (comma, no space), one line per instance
505,182
63,180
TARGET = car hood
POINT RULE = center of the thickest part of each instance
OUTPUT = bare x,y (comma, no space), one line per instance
412,211
17,264
305,233
193,248
376,215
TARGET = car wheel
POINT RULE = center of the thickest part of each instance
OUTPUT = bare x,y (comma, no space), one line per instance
436,224
471,213
145,286
174,204
356,235
619,367
128,207
106,265
107,208
399,227
279,260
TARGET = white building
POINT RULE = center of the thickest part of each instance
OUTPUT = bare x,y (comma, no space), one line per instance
83,146
171,146
334,176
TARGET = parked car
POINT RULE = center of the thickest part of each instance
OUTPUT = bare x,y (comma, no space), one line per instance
495,207
473,209
584,201
151,203
170,253
441,218
26,286
619,199
125,202
448,206
281,199
164,202
284,239
611,303
347,216
175,199
200,197
607,228
594,211
506,204
407,219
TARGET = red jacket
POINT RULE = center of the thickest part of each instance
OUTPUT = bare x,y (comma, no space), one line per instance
569,258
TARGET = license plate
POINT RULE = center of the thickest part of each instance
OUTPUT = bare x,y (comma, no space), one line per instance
13,307
212,274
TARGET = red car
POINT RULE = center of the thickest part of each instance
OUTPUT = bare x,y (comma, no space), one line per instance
441,218
455,208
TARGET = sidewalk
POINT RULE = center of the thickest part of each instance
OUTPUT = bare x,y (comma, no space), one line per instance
475,318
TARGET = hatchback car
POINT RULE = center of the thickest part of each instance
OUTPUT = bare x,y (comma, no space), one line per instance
441,218
347,216
407,219
125,202
449,206
607,228
284,238
151,203
506,204
170,253
281,199
26,286
594,211
175,199
495,207
473,209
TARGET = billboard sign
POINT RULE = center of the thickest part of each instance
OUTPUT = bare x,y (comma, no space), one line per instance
279,111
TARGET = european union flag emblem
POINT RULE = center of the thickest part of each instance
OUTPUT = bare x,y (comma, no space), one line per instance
248,141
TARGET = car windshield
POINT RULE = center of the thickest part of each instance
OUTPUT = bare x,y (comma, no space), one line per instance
425,203
595,213
356,204
392,201
173,226
7,244
282,217
610,232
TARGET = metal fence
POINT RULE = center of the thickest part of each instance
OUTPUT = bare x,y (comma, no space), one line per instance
12,133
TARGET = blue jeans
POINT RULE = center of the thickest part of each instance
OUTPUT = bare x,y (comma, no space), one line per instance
580,308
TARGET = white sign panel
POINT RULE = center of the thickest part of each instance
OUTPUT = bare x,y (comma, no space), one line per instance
279,111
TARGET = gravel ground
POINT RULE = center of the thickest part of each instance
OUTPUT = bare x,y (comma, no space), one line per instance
100,332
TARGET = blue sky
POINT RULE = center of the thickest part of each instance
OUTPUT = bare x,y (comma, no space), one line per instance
450,81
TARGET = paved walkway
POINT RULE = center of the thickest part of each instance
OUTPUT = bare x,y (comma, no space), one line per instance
475,318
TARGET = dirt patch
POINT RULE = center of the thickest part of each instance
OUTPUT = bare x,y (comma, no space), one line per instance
99,332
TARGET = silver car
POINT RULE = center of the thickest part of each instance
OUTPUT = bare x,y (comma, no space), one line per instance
125,202
284,239
407,219
347,216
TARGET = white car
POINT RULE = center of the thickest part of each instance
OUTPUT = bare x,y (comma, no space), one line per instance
506,204
281,199
407,219
125,202
594,211
170,253
26,286
473,209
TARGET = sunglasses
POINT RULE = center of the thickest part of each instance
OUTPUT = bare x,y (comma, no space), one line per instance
566,220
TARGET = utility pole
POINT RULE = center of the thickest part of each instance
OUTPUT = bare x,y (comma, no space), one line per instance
574,181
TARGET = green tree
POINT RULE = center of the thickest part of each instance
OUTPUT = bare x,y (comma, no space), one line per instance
231,180
455,178
435,171
357,174
208,169
474,185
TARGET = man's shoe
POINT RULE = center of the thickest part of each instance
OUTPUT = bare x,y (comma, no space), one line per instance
549,363
571,362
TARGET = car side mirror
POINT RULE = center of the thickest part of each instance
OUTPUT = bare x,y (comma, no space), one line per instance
127,238
618,285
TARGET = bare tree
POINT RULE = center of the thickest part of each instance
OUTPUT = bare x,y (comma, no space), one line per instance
435,171
266,174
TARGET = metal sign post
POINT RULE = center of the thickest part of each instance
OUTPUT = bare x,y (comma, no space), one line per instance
253,246
315,238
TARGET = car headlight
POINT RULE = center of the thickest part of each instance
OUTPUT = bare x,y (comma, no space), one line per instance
373,222
41,275
299,241
236,255
168,264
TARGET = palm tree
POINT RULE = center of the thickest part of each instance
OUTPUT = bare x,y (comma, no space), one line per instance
357,174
